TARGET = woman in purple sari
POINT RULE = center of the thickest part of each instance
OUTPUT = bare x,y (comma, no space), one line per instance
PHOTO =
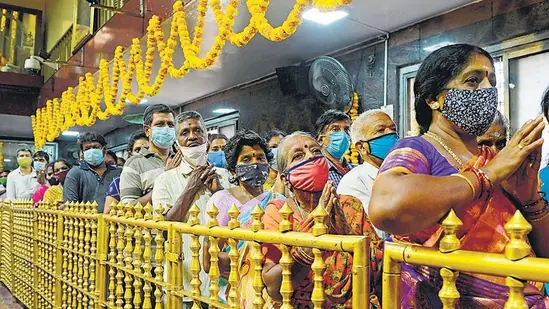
456,101
248,157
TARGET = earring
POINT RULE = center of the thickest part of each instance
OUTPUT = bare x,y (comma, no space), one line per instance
435,106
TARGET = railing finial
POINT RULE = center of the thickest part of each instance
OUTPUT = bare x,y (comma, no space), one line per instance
286,212
517,228
257,215
451,225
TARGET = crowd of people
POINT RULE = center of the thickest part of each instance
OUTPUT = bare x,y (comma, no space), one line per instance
465,159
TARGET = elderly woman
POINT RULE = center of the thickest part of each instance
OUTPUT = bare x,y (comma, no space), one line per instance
455,103
497,135
304,172
248,162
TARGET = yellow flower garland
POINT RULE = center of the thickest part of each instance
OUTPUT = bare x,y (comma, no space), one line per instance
85,107
352,155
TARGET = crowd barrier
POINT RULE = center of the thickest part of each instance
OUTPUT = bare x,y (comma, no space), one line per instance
514,264
132,258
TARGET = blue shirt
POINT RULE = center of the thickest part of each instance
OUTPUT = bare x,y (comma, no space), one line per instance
544,178
114,188
85,185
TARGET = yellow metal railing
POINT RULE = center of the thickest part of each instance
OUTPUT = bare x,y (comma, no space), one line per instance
103,16
60,53
132,258
514,264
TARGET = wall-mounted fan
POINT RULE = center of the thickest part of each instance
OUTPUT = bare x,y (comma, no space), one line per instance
331,84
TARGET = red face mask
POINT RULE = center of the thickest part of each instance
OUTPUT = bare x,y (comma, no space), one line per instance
61,176
310,175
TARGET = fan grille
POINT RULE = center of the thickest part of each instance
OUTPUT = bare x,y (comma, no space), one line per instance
331,83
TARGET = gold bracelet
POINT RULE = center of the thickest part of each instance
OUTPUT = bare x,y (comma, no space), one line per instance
468,182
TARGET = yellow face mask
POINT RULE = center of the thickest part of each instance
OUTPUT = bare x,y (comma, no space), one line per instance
24,162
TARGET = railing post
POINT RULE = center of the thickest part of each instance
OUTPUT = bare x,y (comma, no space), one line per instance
175,270
59,261
12,262
391,277
35,258
101,267
2,247
361,274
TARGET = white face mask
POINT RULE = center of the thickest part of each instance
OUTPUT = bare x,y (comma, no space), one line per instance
195,156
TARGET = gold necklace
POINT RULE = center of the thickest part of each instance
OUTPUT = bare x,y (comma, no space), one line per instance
448,150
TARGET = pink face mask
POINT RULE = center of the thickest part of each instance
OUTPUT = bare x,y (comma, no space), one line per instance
310,175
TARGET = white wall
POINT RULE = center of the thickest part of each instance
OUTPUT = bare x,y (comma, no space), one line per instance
530,79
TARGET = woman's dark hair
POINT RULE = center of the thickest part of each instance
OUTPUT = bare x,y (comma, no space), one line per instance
236,143
62,161
113,155
545,103
134,138
436,71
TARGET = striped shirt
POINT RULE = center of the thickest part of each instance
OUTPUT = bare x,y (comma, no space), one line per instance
336,173
139,173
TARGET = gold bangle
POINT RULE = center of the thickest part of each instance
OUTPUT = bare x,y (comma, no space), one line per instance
469,182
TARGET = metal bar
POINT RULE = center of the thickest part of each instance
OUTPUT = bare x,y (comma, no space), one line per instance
391,277
361,273
175,268
114,10
35,258
100,267
470,261
385,73
326,242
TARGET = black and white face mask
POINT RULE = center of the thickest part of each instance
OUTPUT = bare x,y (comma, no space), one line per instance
253,175
473,111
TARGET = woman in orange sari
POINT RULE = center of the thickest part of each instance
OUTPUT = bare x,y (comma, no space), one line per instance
305,175
456,101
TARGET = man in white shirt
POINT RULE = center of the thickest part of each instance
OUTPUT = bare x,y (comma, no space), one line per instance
23,181
192,183
374,134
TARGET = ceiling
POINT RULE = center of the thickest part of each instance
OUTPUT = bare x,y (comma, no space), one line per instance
261,57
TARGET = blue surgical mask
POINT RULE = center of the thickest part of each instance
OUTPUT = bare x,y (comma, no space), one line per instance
380,146
274,161
217,158
39,165
94,157
163,137
339,144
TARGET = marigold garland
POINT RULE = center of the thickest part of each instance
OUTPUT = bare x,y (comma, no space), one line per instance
352,155
86,106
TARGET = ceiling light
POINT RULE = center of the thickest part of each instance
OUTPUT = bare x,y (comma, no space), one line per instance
70,133
144,101
7,160
224,110
434,47
324,18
